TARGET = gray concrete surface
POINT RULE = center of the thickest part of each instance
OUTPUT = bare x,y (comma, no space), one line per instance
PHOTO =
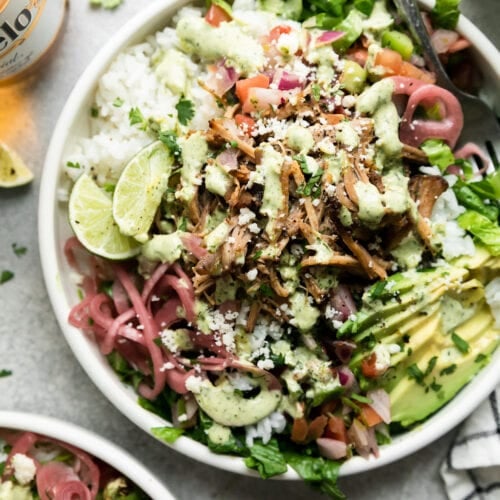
47,378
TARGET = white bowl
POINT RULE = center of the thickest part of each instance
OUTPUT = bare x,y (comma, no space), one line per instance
89,442
54,230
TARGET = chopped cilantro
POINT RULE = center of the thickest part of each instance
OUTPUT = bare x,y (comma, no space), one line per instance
416,373
233,144
71,164
301,160
109,188
435,387
118,102
257,255
431,365
182,225
377,289
361,398
185,110
169,138
19,251
5,373
136,117
480,357
460,343
6,276
312,187
316,91
266,290
167,434
448,370
94,112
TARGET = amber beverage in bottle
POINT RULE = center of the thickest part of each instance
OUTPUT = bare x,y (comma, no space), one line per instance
28,29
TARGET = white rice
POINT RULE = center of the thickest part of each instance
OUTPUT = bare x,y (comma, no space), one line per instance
265,428
132,79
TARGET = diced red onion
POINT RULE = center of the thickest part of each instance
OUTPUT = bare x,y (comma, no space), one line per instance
381,403
346,377
363,439
442,40
228,159
343,350
341,300
260,99
333,449
287,81
358,436
221,78
454,170
328,37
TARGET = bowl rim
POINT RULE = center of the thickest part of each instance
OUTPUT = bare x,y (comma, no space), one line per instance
90,442
88,356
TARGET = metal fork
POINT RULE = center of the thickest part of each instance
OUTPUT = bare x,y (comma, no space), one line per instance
480,121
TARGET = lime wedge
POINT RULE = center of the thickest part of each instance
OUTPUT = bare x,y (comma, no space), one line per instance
140,188
13,171
91,217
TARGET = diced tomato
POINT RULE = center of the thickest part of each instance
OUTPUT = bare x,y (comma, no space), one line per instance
411,71
216,15
243,86
277,31
317,427
393,64
368,366
358,55
299,430
246,123
335,429
369,416
390,60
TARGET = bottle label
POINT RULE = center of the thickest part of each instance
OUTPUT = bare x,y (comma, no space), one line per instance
27,30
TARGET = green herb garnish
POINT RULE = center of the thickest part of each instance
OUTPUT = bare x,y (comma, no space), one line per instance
19,251
6,276
185,111
118,102
460,343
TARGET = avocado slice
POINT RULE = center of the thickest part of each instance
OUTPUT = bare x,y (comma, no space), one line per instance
443,326
414,398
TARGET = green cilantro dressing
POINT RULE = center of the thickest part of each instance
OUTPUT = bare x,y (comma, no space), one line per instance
377,101
304,314
227,41
299,139
172,71
164,247
273,199
194,154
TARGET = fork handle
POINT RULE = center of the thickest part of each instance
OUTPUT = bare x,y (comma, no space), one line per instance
410,12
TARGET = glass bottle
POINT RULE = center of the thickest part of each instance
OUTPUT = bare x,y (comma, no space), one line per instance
28,29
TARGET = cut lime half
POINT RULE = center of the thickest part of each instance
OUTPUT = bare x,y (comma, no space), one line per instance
91,217
140,188
13,171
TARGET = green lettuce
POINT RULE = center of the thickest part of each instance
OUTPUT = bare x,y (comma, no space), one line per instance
439,153
483,229
445,14
267,459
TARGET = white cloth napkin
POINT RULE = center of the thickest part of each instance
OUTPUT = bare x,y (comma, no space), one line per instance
472,468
